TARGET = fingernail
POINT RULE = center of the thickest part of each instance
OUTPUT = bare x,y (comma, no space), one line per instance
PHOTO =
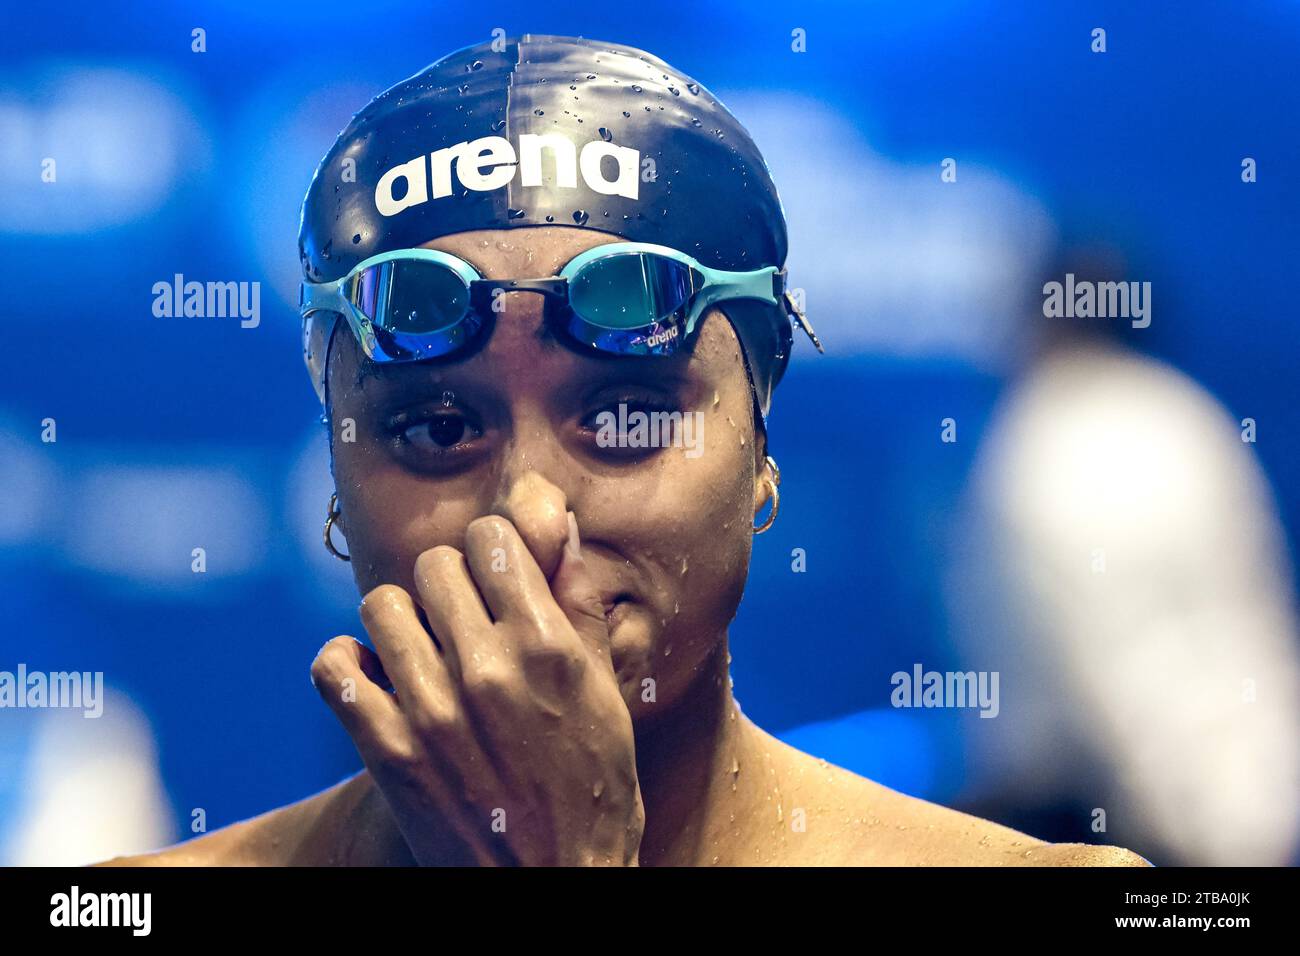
574,544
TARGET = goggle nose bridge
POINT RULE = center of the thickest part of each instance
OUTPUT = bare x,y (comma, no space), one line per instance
482,291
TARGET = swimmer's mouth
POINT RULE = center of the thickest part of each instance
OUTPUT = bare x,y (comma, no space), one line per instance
614,608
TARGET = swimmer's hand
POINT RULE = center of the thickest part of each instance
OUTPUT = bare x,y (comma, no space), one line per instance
511,731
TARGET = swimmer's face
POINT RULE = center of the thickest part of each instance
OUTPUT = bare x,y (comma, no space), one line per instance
513,430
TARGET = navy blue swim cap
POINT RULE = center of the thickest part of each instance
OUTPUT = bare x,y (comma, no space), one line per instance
654,157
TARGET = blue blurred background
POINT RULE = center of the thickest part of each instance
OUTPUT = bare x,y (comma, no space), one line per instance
181,433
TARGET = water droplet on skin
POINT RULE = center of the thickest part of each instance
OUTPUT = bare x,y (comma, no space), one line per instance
597,789
684,565
668,651
448,399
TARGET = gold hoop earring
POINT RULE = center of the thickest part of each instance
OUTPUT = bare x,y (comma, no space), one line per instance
334,513
772,482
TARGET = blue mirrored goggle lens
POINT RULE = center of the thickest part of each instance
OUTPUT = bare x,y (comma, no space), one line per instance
410,296
631,290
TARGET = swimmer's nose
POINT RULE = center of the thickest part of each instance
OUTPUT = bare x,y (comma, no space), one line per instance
538,509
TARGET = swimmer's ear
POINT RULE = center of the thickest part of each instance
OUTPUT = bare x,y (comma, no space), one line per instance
762,474
760,448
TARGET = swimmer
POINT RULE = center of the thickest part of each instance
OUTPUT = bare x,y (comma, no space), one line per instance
498,253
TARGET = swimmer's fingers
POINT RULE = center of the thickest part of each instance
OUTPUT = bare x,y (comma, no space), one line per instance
419,675
422,780
512,584
348,676
453,606
518,593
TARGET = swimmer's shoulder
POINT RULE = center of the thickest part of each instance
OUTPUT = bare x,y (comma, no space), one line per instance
873,825
1089,854
225,847
341,826
942,836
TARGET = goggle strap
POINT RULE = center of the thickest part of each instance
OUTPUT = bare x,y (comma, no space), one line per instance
783,295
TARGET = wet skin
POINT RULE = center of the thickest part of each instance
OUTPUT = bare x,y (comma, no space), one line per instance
550,676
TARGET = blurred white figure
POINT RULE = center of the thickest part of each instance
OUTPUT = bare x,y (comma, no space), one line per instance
92,788
1136,597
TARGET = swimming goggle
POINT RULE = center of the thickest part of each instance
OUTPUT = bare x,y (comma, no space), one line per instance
621,298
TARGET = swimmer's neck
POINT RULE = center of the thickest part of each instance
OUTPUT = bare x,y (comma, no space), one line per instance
709,777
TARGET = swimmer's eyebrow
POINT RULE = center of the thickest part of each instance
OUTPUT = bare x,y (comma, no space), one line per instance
366,369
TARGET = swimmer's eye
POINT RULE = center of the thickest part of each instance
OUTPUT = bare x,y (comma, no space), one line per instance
437,437
631,403
612,425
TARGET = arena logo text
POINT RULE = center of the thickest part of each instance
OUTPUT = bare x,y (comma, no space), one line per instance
491,162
